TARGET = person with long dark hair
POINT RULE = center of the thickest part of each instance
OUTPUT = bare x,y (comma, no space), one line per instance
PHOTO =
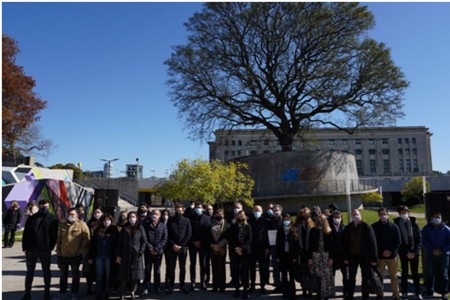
89,268
130,248
287,248
304,223
102,254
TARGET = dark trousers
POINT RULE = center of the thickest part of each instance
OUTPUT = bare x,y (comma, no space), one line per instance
354,262
218,271
63,264
287,270
10,235
436,277
240,265
202,255
153,263
31,260
272,259
181,255
414,265
258,256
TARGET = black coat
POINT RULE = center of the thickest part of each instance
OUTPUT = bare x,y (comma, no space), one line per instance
111,235
12,218
180,231
156,236
368,243
294,247
388,238
416,237
232,236
40,233
200,226
338,247
260,239
130,247
314,238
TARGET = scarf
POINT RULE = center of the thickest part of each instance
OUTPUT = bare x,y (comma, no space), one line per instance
406,233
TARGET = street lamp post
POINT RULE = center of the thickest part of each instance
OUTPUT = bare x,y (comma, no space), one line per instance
109,169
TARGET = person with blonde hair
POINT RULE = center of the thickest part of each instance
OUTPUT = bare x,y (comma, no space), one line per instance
320,256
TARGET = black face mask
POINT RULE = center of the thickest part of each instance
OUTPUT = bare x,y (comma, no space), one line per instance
177,214
218,218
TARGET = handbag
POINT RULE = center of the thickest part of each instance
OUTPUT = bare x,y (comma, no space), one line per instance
374,283
310,282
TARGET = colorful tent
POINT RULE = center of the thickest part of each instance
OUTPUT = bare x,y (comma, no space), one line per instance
25,183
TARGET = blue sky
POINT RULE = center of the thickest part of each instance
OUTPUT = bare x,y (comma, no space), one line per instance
100,67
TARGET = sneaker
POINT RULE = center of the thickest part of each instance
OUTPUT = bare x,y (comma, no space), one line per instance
145,292
419,297
444,297
27,296
404,296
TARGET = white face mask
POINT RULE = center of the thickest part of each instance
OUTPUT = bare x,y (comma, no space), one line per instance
404,217
356,218
132,221
71,219
436,221
237,210
337,221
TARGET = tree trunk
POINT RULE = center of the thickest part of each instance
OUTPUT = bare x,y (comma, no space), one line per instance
286,143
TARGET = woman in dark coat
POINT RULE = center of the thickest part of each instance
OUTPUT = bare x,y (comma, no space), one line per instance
130,248
11,222
216,233
102,254
89,268
239,238
287,249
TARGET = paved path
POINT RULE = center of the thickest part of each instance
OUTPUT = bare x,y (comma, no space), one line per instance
14,269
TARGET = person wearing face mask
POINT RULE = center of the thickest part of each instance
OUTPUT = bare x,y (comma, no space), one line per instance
239,239
304,223
72,245
131,245
237,208
269,211
165,215
359,246
101,254
275,223
260,249
11,222
156,232
337,228
143,213
216,233
122,220
89,267
409,250
287,250
321,255
388,241
38,241
198,245
436,240
180,231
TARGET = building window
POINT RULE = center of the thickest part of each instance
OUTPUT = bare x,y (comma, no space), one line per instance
414,151
239,153
371,151
386,166
371,141
239,143
399,140
400,151
401,167
359,167
358,142
385,141
408,165
344,142
266,151
233,153
266,142
406,141
330,142
358,151
385,151
407,151
227,143
226,154
372,166
413,140
233,143
253,152
415,165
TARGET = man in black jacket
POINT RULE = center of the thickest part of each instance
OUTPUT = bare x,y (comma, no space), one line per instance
180,231
198,244
388,241
11,222
38,241
359,246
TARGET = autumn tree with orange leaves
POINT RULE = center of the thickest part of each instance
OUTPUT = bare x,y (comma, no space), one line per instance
20,108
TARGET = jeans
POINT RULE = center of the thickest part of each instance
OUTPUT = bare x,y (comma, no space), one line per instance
181,255
153,261
10,235
31,260
437,273
63,264
276,271
103,271
202,256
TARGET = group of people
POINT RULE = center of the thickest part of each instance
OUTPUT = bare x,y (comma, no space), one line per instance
120,254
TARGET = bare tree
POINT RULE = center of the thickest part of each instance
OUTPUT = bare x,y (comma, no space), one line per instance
284,67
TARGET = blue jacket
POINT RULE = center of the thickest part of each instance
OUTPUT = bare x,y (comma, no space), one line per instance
436,237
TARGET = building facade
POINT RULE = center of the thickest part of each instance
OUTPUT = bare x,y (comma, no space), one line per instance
384,152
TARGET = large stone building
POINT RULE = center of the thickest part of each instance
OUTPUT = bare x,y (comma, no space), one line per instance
385,152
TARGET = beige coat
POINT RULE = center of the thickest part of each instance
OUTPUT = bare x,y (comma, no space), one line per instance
73,239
